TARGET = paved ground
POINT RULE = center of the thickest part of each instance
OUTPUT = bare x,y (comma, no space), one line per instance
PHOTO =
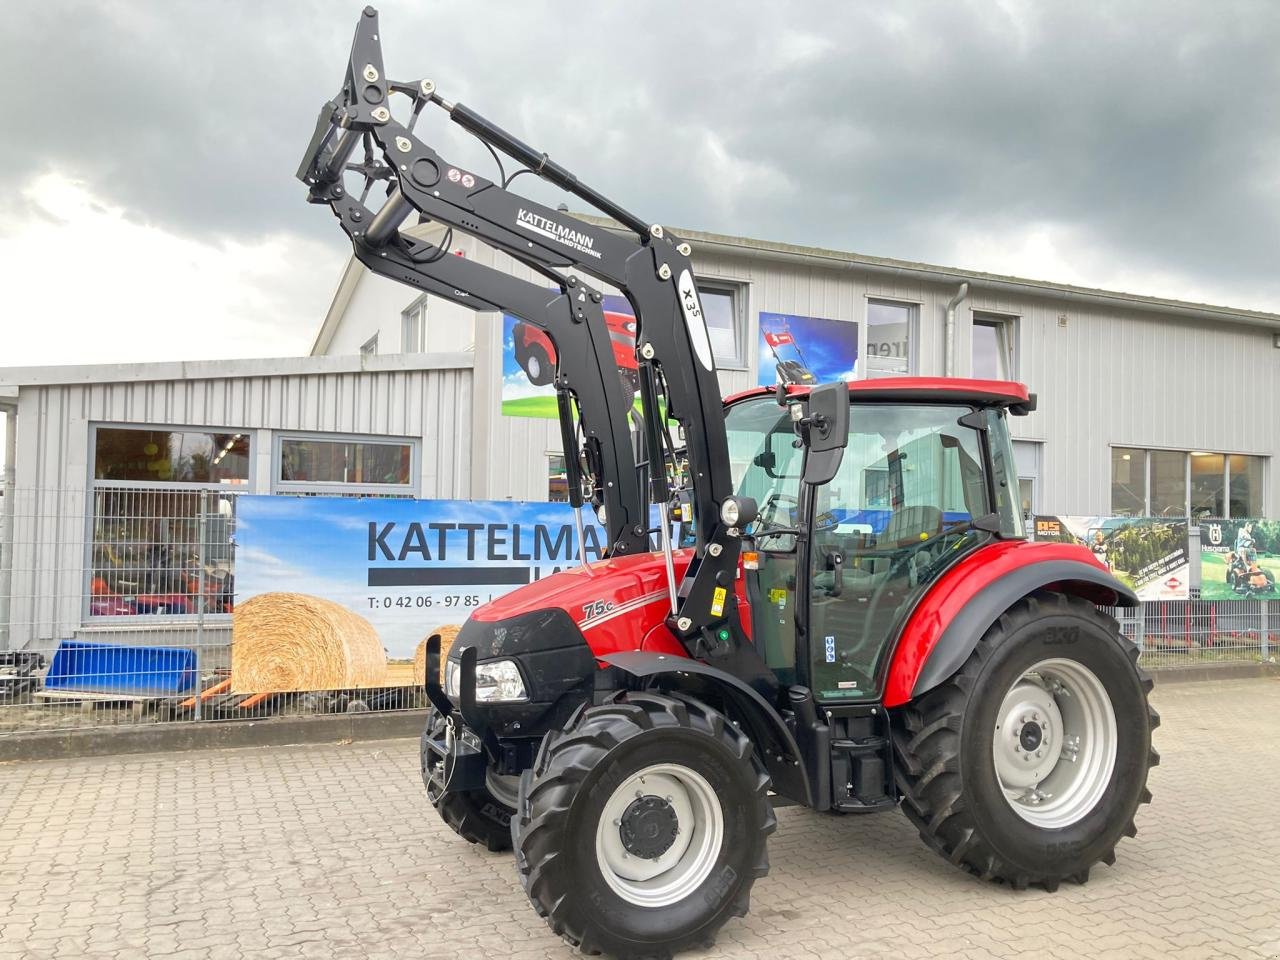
330,851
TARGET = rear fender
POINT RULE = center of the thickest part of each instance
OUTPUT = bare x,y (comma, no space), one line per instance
774,743
947,624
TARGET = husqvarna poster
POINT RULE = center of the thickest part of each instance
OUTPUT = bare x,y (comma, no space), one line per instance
402,566
1149,554
1239,559
806,350
529,360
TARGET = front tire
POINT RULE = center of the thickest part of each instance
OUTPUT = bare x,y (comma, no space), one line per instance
642,825
1028,765
478,816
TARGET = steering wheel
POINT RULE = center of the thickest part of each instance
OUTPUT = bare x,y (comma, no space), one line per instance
769,512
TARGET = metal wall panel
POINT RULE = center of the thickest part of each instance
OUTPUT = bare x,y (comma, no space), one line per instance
54,463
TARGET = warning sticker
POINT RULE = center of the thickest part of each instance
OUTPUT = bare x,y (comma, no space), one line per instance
717,601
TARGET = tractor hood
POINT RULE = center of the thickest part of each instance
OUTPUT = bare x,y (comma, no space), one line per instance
616,604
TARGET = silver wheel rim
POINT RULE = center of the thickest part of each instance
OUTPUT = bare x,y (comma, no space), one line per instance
533,368
1055,743
681,869
505,789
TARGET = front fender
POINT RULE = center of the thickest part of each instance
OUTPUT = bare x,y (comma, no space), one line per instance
947,624
774,742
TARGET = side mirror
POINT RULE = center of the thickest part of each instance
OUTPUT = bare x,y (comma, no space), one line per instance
827,432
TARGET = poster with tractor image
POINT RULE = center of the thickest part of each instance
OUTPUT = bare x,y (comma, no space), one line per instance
806,350
1149,554
1239,559
529,360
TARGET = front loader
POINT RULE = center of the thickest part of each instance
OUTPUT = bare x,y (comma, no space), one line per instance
858,624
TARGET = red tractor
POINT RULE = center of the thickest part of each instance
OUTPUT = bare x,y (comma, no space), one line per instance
536,354
860,623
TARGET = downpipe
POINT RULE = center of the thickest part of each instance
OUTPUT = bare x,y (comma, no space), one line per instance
949,346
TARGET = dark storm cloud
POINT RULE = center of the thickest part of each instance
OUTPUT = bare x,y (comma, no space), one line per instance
1149,129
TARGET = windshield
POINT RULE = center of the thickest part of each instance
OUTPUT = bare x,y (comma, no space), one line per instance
762,459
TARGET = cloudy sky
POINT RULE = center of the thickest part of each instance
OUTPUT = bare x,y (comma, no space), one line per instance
151,211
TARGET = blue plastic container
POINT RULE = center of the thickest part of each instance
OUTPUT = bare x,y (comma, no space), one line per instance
116,668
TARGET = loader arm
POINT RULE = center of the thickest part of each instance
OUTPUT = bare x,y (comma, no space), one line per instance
646,263
586,381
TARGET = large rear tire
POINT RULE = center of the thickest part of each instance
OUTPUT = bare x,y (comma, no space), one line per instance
1028,765
642,825
478,816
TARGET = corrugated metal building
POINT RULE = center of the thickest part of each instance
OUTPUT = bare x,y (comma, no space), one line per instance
108,463
1147,406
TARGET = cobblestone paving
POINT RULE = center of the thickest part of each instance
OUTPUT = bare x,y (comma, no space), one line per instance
331,851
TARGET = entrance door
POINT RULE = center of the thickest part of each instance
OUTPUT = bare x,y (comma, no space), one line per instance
892,519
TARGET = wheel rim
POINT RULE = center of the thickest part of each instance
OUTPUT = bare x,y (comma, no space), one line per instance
659,835
534,368
1055,743
503,788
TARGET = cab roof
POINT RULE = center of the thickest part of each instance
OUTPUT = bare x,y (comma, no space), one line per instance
982,393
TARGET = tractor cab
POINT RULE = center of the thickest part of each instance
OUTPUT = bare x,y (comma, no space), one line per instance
925,478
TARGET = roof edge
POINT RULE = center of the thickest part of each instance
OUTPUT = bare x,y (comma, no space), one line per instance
225,369
1065,291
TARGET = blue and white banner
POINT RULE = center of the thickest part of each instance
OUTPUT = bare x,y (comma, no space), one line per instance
406,566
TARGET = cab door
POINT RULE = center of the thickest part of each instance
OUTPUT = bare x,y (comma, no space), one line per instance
896,515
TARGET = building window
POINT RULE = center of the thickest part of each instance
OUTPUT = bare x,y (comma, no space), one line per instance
890,338
170,456
1128,482
724,305
413,328
994,342
1167,483
1176,483
346,466
153,492
1244,483
557,479
370,347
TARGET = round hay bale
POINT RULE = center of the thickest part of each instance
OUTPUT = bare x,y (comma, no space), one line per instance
291,642
448,633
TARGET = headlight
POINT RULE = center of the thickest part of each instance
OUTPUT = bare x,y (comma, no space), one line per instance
737,511
496,681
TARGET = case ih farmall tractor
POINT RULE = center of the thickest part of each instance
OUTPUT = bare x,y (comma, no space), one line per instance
860,623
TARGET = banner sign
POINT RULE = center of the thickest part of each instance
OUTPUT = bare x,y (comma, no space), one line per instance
529,360
806,350
1149,554
1239,558
405,566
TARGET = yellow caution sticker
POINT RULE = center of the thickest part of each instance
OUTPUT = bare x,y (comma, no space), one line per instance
717,601
777,595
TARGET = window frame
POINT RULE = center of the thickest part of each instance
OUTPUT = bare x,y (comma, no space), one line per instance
1146,451
416,312
739,292
281,487
915,308
370,347
93,485
551,457
1007,346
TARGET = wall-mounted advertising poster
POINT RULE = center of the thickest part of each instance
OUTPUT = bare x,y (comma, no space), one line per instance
330,591
1149,554
529,360
1239,558
806,350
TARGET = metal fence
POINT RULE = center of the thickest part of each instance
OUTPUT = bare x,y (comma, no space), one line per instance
116,605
